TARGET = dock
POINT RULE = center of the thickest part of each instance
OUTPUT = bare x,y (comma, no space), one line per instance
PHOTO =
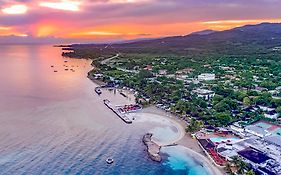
121,116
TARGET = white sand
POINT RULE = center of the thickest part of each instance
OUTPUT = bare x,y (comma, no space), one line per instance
163,121
181,138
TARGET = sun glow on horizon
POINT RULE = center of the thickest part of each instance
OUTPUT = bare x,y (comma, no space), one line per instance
46,30
98,33
21,34
14,34
5,28
229,24
15,9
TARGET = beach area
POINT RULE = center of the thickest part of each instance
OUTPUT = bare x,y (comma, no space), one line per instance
58,124
170,130
184,139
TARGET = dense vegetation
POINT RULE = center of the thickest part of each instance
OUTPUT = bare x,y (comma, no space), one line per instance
246,62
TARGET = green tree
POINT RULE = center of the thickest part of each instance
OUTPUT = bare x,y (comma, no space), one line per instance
279,109
194,126
251,172
228,168
145,74
247,101
217,99
241,165
224,118
221,107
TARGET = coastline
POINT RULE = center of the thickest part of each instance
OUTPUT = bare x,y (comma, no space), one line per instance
187,141
95,81
184,140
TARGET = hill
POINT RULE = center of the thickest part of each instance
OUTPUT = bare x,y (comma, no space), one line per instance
246,40
203,32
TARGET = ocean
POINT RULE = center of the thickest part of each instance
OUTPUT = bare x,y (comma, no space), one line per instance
52,122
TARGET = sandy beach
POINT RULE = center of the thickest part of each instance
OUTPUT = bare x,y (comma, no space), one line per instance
186,140
171,125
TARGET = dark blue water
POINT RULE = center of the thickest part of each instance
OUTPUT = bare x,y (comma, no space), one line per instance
53,124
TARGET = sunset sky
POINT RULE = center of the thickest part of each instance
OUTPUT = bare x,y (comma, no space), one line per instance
103,20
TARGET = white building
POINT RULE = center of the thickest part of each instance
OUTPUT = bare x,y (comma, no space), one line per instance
257,131
204,93
98,76
162,72
236,127
271,115
206,77
266,109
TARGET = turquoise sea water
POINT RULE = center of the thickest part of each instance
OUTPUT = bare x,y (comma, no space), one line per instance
52,123
181,162
164,134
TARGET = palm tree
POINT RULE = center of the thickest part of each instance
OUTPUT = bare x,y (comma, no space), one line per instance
235,160
251,172
242,166
228,168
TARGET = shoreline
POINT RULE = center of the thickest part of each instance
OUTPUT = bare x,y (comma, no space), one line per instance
95,81
191,145
184,140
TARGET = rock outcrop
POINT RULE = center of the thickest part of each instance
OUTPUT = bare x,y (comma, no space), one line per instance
153,149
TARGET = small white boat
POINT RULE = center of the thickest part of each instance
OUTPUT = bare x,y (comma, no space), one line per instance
109,160
98,91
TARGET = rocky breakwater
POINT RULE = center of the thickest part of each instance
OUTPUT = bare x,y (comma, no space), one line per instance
153,149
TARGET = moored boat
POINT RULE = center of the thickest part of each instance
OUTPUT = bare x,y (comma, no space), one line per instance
98,91
109,161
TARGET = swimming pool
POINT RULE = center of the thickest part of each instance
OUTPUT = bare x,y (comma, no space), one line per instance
222,139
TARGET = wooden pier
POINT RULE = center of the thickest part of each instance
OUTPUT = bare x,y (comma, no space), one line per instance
121,116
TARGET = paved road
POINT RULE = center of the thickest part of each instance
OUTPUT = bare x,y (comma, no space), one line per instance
109,59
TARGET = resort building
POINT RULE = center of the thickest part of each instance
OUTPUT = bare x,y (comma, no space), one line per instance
257,131
206,77
98,76
184,71
204,93
148,68
259,145
272,114
266,109
162,72
261,155
237,129
274,139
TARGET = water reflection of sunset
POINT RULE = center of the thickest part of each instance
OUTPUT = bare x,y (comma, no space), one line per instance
32,76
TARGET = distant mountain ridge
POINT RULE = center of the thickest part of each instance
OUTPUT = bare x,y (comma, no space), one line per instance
203,32
245,39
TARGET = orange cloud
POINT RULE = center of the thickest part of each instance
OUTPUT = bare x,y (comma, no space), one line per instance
5,28
131,31
228,24
96,33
